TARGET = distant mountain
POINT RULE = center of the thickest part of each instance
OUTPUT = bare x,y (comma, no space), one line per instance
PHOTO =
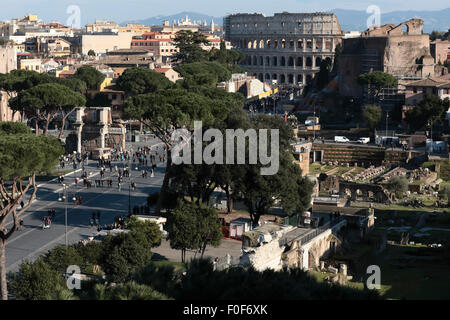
193,16
349,19
357,20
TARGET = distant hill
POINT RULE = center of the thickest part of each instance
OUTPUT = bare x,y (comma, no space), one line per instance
193,16
349,19
356,20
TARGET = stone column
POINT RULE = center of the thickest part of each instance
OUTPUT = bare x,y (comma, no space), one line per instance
79,131
323,45
304,45
102,136
305,259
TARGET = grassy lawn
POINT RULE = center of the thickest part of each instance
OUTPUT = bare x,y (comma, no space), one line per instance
413,272
444,173
315,168
179,266
408,272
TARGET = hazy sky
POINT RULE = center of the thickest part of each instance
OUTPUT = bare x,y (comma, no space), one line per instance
122,10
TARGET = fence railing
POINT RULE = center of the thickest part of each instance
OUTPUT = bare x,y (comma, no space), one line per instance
310,236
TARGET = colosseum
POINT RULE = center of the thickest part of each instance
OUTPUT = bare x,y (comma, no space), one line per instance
286,47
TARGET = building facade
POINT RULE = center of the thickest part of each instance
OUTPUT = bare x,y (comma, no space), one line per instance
286,47
8,62
401,50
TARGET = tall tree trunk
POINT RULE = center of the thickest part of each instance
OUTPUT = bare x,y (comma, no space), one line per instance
203,249
47,123
229,200
61,131
165,185
36,127
3,283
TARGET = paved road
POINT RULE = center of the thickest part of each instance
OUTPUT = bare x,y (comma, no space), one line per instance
33,240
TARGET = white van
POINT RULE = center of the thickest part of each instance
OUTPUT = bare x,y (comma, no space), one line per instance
341,139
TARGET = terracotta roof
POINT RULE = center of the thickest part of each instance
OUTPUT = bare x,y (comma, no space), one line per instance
162,70
429,82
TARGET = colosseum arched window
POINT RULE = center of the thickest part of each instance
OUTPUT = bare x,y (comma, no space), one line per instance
261,44
318,61
291,62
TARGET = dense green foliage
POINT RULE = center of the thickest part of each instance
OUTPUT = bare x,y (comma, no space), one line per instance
24,154
91,76
127,291
123,254
376,81
147,228
35,281
372,116
14,128
136,81
61,257
189,46
203,73
430,109
397,185
193,226
202,283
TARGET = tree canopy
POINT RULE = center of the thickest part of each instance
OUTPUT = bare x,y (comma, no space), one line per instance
203,73
136,81
372,116
376,81
22,155
397,185
91,76
189,46
193,226
430,109
46,100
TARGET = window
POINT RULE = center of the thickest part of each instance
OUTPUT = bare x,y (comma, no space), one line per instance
299,24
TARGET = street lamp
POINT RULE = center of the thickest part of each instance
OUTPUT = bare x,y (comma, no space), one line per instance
64,197
387,116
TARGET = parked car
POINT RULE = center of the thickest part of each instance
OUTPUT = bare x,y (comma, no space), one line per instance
364,140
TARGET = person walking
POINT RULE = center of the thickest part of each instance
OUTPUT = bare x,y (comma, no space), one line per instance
93,219
98,217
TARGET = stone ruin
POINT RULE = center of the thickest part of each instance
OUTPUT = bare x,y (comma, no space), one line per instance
94,129
370,173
